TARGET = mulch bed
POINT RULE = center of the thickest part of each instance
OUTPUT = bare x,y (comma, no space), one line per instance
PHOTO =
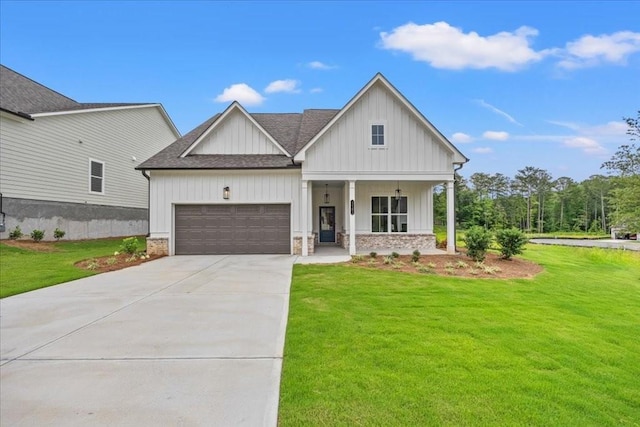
31,245
456,266
113,262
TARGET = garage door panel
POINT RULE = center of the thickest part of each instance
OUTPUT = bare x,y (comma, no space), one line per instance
232,229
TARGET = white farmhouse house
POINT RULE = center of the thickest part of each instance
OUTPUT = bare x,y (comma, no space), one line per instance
71,165
361,177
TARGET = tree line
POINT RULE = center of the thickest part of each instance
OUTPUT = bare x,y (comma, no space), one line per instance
534,201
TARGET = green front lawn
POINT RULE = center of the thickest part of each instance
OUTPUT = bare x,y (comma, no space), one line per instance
380,348
23,270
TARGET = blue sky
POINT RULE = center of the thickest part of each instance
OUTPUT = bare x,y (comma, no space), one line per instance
512,84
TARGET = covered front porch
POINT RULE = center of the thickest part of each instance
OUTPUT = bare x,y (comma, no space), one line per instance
372,215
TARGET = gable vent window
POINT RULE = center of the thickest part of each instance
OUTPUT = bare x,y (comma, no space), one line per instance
377,135
96,177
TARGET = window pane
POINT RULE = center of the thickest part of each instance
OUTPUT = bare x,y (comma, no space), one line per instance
375,223
399,223
375,205
384,205
403,205
96,169
96,184
384,223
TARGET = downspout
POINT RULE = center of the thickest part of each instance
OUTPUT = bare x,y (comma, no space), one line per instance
2,215
144,173
455,207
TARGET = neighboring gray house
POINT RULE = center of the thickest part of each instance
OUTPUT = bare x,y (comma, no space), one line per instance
361,177
71,165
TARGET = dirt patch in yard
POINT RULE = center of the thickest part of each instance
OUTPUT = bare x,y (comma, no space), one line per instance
114,262
454,265
31,245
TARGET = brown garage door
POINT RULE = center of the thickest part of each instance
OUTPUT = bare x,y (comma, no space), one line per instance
232,229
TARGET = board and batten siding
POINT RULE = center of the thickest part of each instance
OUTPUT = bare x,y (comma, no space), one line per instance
169,188
236,135
409,146
48,158
420,217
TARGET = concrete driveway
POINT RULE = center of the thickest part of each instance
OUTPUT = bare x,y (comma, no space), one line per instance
179,341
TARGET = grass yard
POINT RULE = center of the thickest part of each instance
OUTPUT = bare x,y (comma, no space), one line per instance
23,270
385,348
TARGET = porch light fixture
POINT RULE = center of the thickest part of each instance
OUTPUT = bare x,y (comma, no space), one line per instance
326,194
225,193
398,191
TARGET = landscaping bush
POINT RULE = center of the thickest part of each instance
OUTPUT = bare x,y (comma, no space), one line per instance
129,245
373,254
395,254
16,233
415,256
511,242
478,241
58,234
37,235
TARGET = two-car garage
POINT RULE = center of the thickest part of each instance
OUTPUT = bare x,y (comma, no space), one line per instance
232,229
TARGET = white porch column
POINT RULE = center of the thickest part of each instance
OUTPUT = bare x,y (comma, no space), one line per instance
305,218
451,218
429,211
310,207
352,218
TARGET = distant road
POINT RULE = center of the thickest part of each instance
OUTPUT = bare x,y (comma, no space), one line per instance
632,245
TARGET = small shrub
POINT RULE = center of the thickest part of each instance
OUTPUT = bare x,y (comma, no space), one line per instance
356,258
111,260
461,264
395,255
129,245
93,265
431,265
16,233
58,234
37,235
474,272
398,264
388,260
511,242
449,270
372,262
442,244
415,256
449,265
478,241
373,254
132,258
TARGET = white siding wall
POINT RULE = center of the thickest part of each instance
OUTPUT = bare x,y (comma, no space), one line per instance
205,187
416,193
44,160
346,147
236,135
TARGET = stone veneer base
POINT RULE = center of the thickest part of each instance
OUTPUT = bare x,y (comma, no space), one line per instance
391,241
157,246
297,244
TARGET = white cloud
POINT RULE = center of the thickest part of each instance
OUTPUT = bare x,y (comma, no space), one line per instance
316,90
287,86
242,93
461,138
444,46
483,150
490,107
588,145
589,50
496,135
317,65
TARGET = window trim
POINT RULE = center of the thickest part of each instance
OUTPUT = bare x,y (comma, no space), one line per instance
385,134
103,177
388,215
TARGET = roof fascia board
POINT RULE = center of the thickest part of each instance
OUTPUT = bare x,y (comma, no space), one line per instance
235,105
18,117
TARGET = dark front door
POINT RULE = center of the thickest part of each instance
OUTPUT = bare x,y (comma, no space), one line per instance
327,224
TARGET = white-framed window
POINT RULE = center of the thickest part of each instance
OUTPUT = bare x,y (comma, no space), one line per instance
389,214
96,176
377,135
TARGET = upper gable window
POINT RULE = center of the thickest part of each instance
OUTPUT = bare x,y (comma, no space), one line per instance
96,176
377,136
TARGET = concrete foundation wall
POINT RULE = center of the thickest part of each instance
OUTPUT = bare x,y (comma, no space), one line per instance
77,220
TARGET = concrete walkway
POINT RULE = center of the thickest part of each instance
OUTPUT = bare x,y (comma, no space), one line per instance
187,341
630,245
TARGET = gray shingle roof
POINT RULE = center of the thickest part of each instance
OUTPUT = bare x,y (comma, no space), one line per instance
291,130
23,96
